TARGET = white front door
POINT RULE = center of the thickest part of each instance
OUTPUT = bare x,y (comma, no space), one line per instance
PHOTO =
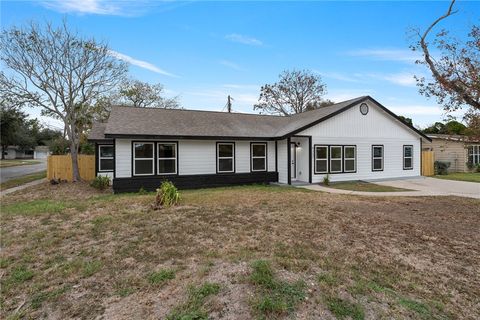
293,161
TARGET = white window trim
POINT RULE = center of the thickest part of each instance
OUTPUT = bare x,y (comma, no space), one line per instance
100,158
336,159
152,159
325,159
222,158
258,157
475,154
354,159
405,157
171,158
376,158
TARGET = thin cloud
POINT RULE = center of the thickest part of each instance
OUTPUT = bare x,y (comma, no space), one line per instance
403,79
231,65
338,76
126,8
140,63
235,37
399,55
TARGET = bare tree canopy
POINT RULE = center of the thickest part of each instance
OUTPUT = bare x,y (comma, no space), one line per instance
296,91
60,72
141,94
456,70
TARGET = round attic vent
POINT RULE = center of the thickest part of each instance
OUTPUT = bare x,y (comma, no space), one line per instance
364,108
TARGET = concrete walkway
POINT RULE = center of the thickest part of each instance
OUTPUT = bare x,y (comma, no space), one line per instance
23,186
423,186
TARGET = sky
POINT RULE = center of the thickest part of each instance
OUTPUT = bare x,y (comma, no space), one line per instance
204,51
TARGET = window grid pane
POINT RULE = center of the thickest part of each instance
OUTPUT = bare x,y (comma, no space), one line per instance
143,158
225,157
336,156
377,158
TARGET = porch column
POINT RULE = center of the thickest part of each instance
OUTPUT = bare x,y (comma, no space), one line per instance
310,159
289,160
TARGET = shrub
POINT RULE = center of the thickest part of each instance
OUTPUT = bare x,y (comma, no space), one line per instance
478,168
59,146
87,148
101,182
441,167
167,195
326,180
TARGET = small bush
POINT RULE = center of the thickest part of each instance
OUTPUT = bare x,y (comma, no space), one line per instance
478,168
87,148
326,180
59,146
100,182
441,167
167,195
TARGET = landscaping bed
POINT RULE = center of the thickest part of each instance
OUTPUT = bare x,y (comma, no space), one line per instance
70,251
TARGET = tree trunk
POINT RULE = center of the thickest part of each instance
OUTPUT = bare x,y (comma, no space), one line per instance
3,152
75,170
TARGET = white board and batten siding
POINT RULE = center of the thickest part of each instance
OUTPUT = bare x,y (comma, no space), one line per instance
375,128
194,156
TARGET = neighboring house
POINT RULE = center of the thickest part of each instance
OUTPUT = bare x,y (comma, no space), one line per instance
456,149
358,139
41,152
15,152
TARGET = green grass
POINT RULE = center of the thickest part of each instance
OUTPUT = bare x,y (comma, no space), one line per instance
364,186
17,162
342,309
421,309
274,297
162,276
34,207
327,278
461,176
23,180
193,308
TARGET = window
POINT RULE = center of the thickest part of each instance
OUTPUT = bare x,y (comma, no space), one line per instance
321,159
377,158
105,158
259,156
474,154
349,157
336,159
143,158
407,157
225,157
167,158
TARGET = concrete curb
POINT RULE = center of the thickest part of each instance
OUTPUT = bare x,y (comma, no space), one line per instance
23,186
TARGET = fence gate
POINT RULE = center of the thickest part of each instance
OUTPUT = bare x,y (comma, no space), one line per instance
60,167
427,163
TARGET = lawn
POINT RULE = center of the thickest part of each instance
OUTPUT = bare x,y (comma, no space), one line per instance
461,176
17,162
22,180
364,186
69,251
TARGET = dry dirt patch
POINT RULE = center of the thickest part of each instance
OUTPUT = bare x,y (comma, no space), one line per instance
76,253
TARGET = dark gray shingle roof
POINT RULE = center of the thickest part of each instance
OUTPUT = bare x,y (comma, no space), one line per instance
126,121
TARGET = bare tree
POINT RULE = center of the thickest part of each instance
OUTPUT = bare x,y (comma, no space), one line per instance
60,72
296,91
142,94
456,72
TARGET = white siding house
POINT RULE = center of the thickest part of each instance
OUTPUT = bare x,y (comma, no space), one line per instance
357,139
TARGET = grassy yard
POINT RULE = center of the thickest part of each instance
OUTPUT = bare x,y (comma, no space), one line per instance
461,176
69,251
364,186
22,180
17,162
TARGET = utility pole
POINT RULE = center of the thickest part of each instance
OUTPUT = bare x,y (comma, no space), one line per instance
229,104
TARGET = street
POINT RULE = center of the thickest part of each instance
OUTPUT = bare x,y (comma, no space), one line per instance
10,173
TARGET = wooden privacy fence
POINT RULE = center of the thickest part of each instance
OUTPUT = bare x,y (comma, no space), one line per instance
60,167
427,163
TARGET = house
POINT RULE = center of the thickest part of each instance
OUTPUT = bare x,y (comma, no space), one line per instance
16,152
358,139
459,150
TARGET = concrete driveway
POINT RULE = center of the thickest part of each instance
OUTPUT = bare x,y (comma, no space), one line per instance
10,173
436,187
